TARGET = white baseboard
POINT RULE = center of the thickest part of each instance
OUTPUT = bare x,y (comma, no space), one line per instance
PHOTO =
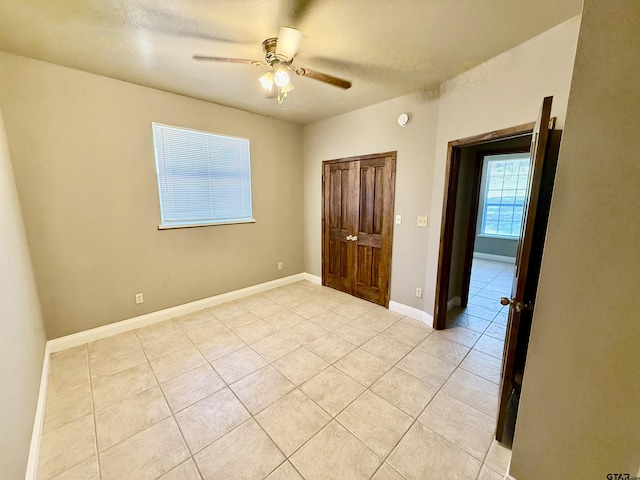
38,422
313,278
393,306
98,333
412,312
454,302
495,258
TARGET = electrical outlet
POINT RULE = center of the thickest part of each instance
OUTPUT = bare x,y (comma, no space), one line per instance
139,298
423,221
398,219
418,292
280,266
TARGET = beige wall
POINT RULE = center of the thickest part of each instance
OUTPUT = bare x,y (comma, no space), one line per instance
374,129
82,151
22,338
503,92
580,407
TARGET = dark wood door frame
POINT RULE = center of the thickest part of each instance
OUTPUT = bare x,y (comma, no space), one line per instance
452,174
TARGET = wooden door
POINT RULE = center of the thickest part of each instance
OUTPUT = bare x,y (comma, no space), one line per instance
358,225
525,279
338,220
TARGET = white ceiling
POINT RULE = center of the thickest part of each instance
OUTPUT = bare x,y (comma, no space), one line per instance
387,48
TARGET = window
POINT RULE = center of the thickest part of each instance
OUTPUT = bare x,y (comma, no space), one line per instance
203,178
505,192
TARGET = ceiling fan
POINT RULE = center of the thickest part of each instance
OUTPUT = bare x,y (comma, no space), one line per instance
279,54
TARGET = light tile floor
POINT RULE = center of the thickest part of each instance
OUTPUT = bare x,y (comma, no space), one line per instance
300,382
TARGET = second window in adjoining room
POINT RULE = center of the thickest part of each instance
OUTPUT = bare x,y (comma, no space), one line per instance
504,194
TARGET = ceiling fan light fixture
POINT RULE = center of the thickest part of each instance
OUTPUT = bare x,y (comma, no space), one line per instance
281,78
279,53
281,95
266,81
287,88
288,43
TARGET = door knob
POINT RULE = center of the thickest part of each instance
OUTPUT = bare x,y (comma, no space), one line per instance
349,237
517,306
354,238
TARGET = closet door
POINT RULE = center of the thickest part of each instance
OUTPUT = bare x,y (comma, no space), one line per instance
338,225
358,196
375,178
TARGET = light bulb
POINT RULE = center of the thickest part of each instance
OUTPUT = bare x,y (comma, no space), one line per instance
281,78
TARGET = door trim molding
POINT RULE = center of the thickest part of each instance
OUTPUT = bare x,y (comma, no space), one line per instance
361,157
452,171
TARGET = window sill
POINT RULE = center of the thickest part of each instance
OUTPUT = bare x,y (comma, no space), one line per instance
194,225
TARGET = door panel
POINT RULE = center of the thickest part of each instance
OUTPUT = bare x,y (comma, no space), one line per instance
375,229
520,305
358,202
336,226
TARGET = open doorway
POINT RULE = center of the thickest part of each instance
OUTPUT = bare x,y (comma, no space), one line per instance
489,214
463,237
483,296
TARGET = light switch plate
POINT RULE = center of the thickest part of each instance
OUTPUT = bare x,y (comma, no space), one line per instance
423,221
398,219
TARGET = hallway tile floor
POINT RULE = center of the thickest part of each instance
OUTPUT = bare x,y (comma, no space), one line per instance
299,382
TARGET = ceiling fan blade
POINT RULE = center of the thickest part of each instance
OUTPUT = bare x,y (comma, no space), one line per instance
289,40
323,77
294,11
230,60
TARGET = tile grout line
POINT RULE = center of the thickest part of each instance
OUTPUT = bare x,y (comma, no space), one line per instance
93,412
366,388
252,415
172,413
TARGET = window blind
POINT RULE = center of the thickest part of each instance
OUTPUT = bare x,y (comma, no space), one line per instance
203,178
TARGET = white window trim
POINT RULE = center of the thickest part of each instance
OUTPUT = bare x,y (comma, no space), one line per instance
195,225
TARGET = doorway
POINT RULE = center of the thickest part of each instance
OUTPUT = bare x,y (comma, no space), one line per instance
460,209
494,302
357,225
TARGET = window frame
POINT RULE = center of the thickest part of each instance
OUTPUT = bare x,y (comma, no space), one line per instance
209,222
